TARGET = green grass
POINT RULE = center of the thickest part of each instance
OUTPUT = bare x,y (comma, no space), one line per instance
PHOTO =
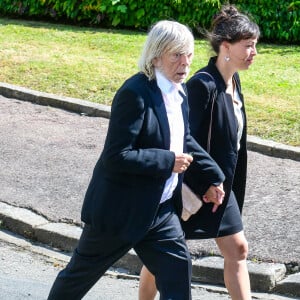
91,64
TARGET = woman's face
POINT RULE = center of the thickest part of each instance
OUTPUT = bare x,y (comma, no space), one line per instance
175,65
242,53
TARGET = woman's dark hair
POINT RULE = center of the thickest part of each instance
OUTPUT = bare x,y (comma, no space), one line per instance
232,26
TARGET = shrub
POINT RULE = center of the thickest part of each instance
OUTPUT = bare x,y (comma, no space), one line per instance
278,20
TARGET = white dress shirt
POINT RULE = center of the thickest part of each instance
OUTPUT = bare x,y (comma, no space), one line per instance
173,101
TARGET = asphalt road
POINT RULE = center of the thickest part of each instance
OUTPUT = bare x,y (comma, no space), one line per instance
26,274
28,270
47,157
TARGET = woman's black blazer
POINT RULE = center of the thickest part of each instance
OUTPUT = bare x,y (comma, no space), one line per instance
223,143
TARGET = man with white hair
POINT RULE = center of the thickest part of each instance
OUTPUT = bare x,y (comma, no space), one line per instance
134,197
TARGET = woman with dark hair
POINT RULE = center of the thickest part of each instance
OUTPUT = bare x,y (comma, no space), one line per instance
218,122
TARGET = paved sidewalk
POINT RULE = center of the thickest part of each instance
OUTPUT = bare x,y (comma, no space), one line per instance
47,157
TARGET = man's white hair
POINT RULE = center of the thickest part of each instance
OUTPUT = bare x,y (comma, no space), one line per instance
164,36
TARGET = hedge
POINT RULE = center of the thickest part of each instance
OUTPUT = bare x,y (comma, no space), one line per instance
277,19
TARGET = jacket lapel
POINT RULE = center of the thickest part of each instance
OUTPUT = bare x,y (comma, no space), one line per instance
184,109
161,113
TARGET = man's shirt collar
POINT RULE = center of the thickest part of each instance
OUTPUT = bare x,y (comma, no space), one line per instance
166,85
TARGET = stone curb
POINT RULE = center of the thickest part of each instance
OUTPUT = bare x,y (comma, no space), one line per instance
265,277
71,104
272,148
98,110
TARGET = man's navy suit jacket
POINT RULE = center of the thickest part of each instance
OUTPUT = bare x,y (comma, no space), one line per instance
129,178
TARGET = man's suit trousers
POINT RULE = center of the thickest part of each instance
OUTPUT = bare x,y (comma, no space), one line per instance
162,250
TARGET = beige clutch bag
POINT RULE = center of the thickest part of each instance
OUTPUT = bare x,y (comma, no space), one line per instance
190,201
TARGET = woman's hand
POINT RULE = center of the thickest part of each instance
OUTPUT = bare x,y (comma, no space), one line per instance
215,194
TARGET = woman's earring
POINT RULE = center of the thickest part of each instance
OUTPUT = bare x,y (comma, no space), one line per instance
227,58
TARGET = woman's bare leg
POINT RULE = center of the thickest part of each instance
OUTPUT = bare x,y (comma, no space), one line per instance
147,287
234,249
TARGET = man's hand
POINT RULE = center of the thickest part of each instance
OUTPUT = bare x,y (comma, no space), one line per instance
215,194
182,162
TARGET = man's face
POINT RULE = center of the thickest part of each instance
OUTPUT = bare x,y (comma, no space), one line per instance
175,65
